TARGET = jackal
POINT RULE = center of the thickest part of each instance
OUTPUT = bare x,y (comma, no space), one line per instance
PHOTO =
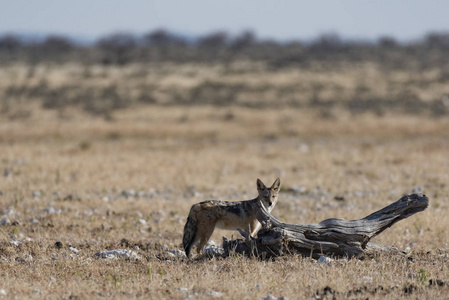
205,216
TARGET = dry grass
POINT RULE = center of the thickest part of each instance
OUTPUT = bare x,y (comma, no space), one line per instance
77,168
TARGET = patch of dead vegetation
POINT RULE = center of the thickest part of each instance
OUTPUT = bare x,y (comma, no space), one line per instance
72,188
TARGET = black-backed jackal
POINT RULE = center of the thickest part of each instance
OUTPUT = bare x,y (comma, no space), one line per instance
206,215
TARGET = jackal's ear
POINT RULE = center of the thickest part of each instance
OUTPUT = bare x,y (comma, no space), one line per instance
260,185
276,185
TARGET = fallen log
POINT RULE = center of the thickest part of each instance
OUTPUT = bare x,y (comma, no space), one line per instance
331,237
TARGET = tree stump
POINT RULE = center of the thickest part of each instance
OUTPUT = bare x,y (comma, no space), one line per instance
331,237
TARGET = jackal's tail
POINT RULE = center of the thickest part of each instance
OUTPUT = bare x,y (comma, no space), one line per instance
189,233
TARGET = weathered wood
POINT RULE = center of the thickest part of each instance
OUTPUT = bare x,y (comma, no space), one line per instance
333,237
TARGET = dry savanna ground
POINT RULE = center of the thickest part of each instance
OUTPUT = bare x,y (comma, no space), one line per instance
76,184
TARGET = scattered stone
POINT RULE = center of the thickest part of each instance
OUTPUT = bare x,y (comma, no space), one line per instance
51,210
304,148
367,278
116,254
191,192
175,252
15,243
2,292
406,231
37,194
74,250
417,190
212,250
5,221
420,231
129,193
158,216
214,294
7,212
324,259
33,220
271,297
72,197
183,289
20,259
36,291
358,194
158,213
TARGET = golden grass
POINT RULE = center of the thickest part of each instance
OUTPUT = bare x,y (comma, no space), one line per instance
77,169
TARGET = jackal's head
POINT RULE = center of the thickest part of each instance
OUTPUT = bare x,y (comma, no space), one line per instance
268,196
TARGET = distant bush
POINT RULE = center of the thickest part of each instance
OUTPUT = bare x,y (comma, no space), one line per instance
161,45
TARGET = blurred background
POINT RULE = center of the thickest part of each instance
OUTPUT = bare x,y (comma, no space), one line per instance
360,57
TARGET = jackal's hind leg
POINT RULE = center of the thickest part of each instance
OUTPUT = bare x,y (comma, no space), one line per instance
205,235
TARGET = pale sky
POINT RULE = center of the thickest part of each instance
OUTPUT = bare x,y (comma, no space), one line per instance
280,19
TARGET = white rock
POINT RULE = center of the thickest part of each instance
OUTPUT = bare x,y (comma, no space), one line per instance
304,148
116,254
51,210
183,289
213,250
74,250
37,193
417,190
175,252
129,193
9,211
5,221
2,292
367,278
214,294
15,243
324,259
158,213
33,220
